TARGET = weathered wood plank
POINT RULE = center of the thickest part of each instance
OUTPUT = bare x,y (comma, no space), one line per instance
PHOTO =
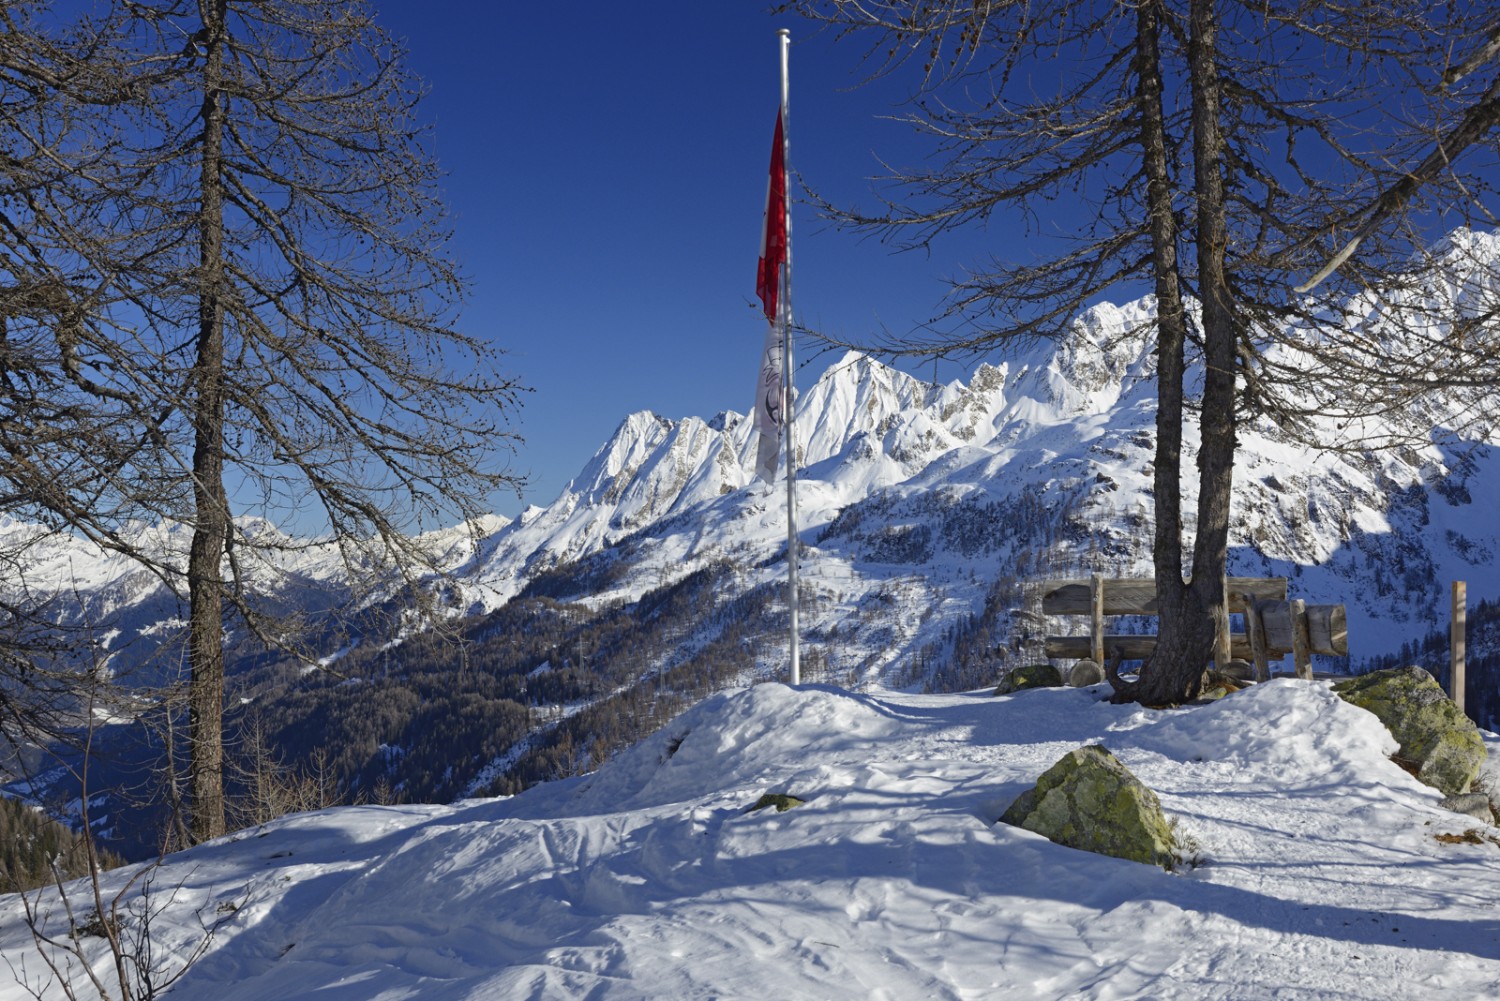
1222,655
1134,647
1255,631
1456,627
1138,597
1276,619
1096,618
1328,630
1301,644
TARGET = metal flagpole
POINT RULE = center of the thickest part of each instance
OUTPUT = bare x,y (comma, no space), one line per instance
788,389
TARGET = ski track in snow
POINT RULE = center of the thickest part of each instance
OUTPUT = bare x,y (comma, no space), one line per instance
1321,877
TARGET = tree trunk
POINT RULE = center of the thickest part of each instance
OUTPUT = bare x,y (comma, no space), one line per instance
1220,331
1177,639
206,556
1187,612
1206,596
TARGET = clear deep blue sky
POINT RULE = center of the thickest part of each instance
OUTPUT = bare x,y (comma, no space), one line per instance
606,174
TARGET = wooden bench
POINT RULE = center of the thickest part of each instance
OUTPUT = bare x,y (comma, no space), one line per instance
1275,626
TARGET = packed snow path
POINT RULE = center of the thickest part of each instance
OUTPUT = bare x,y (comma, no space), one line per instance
1321,876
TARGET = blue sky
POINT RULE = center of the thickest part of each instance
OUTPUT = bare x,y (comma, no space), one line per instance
606,173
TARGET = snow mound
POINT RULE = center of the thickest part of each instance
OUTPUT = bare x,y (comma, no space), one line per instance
1320,875
733,740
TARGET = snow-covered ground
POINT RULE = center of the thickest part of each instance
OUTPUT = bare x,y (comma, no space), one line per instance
1321,875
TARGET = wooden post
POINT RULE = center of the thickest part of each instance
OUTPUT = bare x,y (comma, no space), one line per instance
1301,654
1096,614
1221,626
1456,642
1255,631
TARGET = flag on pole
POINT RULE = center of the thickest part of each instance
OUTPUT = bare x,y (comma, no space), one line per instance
768,279
774,396
768,407
773,234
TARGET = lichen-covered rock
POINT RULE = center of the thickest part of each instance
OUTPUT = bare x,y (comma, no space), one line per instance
1029,676
1441,744
780,800
1085,673
1089,800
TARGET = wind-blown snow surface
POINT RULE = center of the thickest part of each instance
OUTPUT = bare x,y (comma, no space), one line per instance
1321,875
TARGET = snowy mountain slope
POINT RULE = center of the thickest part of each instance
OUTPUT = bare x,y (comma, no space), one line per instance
1321,873
129,611
1041,465
923,508
1038,466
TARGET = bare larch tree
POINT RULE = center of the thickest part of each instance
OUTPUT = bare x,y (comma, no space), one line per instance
238,280
1213,142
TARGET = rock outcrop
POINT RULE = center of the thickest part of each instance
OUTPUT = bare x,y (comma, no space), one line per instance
1439,744
1029,676
1089,800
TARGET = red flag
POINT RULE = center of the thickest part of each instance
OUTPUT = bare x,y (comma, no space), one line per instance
773,237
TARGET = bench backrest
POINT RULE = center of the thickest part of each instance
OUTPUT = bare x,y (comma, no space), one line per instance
1123,596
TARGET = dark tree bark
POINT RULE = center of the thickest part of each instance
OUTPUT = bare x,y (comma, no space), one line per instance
1181,638
1185,643
1220,336
211,526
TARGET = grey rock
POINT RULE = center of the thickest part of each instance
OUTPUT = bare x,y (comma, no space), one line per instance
1090,801
1439,744
1472,804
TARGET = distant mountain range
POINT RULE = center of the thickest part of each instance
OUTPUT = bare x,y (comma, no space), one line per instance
923,510
1040,463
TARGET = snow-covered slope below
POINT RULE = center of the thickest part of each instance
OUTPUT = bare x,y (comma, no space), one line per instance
1321,872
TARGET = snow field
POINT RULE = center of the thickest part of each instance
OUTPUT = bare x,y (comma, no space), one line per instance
1320,875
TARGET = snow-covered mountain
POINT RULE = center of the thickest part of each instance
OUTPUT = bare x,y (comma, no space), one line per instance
1037,465
914,499
657,576
1314,868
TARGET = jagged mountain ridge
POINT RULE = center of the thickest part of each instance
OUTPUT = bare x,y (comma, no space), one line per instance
1039,464
657,575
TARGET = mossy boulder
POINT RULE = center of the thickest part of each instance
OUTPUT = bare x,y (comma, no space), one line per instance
1439,744
780,800
1029,676
1089,800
